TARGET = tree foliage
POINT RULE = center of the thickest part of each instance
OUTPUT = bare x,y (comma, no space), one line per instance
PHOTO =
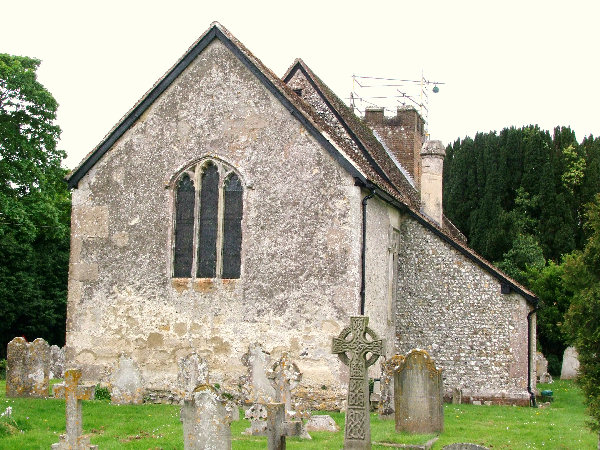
34,208
519,197
582,275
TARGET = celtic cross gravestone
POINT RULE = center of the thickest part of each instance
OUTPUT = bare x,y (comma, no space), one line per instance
358,347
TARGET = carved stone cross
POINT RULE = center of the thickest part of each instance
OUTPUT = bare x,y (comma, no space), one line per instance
73,394
353,352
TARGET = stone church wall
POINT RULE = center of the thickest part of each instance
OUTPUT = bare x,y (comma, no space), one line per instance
301,240
454,309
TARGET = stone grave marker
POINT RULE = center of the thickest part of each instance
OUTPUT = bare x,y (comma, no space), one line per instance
322,422
27,370
205,420
258,387
193,371
276,428
418,395
570,364
57,362
385,409
126,384
360,351
285,376
541,368
73,393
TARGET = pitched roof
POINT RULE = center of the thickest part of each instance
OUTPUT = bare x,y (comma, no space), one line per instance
370,147
382,160
367,160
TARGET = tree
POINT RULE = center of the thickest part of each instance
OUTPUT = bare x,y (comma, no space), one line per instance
34,208
582,275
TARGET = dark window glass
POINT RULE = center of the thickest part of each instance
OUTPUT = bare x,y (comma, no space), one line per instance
232,227
208,223
184,228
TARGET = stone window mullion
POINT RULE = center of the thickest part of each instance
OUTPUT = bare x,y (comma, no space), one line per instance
220,212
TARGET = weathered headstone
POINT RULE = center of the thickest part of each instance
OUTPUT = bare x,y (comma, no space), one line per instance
57,362
322,422
73,393
257,385
27,371
386,402
418,395
456,396
193,371
285,376
570,364
358,347
205,420
126,384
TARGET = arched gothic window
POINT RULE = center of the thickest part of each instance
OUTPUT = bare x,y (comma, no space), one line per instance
208,222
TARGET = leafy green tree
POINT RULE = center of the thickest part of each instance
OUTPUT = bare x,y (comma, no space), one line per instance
582,275
34,208
555,298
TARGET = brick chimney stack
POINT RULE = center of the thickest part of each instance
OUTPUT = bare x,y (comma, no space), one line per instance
403,135
432,160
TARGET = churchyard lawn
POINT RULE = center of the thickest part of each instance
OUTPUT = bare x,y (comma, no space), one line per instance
37,423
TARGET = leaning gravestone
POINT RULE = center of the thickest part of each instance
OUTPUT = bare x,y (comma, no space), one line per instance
353,352
418,394
27,369
205,420
570,364
73,393
126,384
386,402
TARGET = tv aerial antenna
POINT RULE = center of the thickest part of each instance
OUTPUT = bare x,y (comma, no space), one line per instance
390,93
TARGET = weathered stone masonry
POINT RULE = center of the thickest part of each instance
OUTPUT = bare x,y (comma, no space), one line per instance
297,201
454,309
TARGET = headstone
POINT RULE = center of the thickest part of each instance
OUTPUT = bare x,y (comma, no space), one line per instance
73,393
205,420
353,345
322,422
418,395
386,403
126,384
456,396
57,362
285,376
570,364
256,384
193,371
275,430
27,371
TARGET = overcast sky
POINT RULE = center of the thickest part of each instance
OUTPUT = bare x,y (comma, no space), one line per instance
503,62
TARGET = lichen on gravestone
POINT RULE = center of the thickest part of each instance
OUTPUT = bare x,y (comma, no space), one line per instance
27,371
418,395
126,383
205,420
193,371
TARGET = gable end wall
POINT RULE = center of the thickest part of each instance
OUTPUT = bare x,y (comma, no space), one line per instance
454,309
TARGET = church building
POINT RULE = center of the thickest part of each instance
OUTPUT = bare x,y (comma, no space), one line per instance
231,207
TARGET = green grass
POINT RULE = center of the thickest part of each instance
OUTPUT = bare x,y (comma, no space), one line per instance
37,423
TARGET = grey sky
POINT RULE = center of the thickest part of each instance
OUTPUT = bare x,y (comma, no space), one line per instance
504,63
